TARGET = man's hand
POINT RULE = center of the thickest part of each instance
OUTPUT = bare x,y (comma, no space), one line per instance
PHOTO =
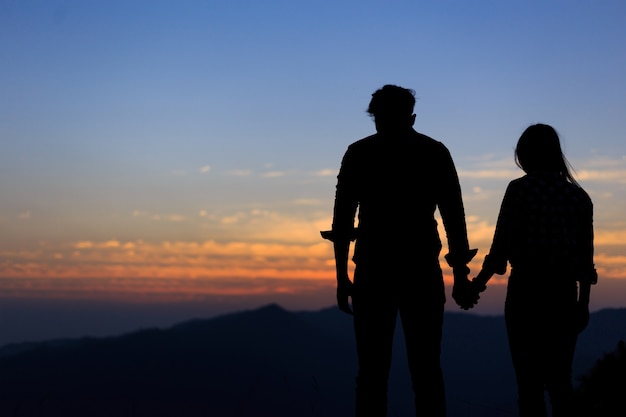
344,292
464,293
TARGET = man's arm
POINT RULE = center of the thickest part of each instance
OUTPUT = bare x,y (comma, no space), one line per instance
343,231
341,247
344,285
450,204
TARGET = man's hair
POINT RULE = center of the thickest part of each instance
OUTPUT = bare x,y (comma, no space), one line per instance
392,101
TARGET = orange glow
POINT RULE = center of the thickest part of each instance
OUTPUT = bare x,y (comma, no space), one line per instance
183,269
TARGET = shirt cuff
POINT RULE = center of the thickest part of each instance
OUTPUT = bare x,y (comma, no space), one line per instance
458,259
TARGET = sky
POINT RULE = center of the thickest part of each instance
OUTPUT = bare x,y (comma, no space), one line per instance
167,159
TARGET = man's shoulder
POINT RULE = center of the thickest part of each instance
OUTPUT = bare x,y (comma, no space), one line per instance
415,137
366,146
366,141
429,141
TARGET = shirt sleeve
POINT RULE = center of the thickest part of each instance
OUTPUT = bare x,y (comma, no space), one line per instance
587,268
450,204
346,201
499,253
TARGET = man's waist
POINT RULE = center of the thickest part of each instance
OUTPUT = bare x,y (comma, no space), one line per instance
409,230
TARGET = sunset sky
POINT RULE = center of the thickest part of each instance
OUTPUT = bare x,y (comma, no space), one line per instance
187,151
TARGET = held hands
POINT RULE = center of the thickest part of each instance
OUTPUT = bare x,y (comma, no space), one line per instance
466,293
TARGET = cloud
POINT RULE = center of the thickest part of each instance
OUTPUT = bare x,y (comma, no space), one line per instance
610,266
600,169
274,174
325,173
262,225
173,260
307,202
616,176
160,289
109,244
609,237
230,219
266,262
159,217
479,232
175,218
601,162
239,172
489,173
85,244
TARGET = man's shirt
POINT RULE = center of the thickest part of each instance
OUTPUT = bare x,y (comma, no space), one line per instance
393,185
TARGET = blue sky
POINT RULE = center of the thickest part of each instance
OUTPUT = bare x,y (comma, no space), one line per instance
135,132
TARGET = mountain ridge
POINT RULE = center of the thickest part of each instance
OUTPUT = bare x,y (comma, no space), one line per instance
264,361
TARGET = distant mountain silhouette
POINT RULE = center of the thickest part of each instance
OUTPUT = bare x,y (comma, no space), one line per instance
262,362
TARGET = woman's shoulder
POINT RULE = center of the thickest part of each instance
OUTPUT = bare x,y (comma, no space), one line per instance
519,183
582,194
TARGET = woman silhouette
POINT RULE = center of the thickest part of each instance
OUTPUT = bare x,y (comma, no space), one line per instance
545,231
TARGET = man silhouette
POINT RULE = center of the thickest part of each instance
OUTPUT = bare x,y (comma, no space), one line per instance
396,179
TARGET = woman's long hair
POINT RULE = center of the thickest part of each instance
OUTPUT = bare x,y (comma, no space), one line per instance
539,150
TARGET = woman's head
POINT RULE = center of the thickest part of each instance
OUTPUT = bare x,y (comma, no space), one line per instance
539,150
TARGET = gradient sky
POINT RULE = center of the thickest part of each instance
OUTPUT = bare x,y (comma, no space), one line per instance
162,151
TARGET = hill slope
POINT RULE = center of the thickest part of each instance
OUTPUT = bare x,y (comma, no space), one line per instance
264,362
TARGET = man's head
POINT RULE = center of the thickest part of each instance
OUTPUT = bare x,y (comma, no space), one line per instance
391,107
